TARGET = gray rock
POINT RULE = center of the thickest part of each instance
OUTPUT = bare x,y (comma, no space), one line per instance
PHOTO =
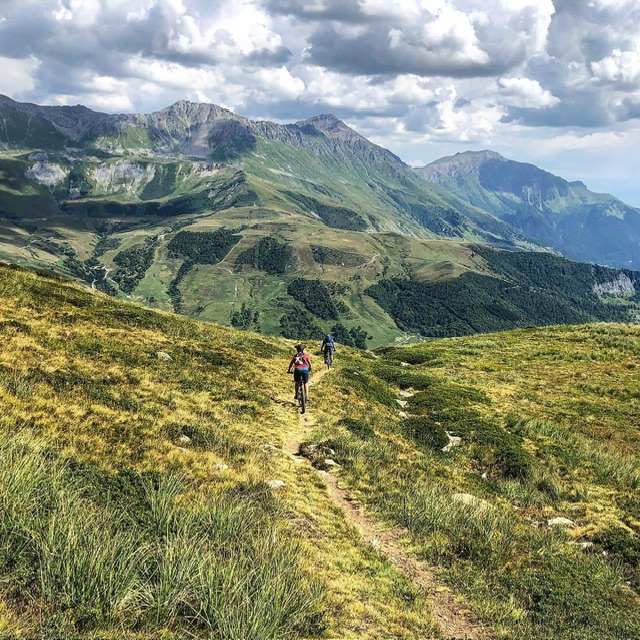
220,466
454,441
276,484
403,414
406,394
470,499
405,364
560,522
328,462
269,447
402,403
184,439
163,355
583,545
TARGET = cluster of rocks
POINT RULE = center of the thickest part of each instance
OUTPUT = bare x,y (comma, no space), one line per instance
321,456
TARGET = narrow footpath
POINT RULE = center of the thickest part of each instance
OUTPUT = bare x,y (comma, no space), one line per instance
454,620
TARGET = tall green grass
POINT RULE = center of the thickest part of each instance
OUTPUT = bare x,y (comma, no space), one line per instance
221,566
608,466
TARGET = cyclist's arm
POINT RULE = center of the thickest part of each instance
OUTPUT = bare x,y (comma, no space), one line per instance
290,363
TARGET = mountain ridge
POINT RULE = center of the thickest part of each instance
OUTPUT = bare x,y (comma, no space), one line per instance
547,209
198,210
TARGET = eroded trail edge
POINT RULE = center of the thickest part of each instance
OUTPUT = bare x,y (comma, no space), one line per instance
454,619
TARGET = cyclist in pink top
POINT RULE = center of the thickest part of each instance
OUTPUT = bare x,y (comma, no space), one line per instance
301,365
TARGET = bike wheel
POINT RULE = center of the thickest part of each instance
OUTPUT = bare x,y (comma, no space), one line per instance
302,400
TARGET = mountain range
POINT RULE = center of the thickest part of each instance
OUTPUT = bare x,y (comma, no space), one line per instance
549,211
300,228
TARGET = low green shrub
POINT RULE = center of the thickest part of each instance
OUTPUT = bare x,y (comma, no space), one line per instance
411,355
425,432
358,428
403,377
365,386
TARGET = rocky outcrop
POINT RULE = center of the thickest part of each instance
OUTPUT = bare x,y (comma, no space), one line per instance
45,172
621,285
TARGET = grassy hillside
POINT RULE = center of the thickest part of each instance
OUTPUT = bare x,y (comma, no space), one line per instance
137,450
134,495
547,421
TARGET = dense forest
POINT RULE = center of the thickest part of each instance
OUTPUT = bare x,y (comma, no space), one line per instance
315,296
268,254
539,289
202,247
133,264
335,217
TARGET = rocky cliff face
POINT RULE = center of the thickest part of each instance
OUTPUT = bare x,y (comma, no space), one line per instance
621,285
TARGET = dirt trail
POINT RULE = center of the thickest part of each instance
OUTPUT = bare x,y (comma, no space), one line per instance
454,619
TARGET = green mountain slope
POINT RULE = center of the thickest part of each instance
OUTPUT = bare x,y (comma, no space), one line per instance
139,449
544,208
109,158
520,289
276,215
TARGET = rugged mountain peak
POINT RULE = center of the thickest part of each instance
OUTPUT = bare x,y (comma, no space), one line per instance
324,121
194,111
331,126
464,163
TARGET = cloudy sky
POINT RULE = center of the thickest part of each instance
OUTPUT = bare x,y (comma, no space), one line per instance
553,82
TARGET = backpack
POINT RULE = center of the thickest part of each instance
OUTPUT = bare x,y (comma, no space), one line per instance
299,359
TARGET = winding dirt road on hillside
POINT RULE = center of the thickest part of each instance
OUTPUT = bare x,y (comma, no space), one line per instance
456,622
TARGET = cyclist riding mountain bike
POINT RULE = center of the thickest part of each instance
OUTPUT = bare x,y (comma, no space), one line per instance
301,366
328,348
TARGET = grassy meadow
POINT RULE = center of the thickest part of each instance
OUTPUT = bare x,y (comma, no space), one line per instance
548,421
137,447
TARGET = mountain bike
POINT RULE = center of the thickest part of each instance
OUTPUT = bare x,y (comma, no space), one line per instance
300,396
328,357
